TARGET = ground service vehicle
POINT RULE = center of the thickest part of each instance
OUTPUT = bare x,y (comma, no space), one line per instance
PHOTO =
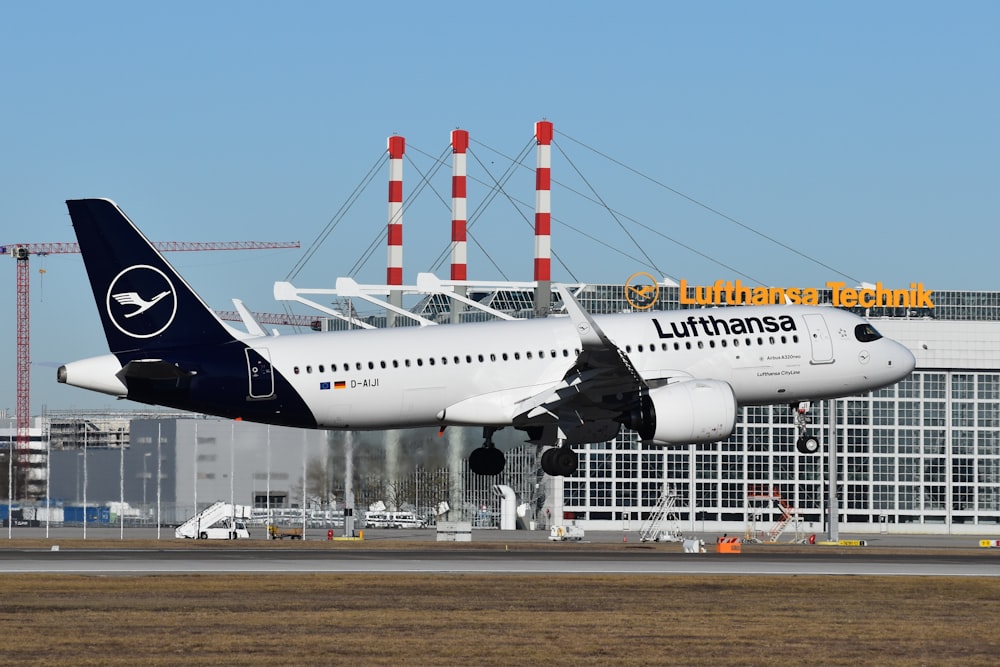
280,533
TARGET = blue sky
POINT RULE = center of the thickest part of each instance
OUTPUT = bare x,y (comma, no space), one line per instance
863,135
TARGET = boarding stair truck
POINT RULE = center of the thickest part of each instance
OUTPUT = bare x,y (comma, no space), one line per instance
219,521
663,524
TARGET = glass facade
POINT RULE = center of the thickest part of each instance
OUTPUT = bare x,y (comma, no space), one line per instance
926,451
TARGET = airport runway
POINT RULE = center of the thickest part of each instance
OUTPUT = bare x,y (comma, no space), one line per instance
105,562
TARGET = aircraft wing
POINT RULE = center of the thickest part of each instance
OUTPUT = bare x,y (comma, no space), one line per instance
599,386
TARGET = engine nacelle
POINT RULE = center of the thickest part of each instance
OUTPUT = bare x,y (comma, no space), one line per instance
692,411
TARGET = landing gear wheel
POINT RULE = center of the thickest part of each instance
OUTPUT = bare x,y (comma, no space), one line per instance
807,444
202,535
487,461
560,461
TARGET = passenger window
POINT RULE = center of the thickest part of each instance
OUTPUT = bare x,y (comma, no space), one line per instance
358,365
296,370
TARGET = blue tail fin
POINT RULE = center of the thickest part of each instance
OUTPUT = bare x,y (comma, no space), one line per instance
144,304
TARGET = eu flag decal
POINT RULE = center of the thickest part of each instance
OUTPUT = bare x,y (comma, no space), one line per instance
324,385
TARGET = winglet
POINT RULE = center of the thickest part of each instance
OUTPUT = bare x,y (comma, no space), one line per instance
591,335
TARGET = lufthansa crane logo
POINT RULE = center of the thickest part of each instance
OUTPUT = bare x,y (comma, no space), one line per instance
141,301
642,291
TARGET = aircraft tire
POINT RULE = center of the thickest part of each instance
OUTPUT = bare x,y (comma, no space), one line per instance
477,461
202,535
497,461
807,444
548,466
566,461
487,461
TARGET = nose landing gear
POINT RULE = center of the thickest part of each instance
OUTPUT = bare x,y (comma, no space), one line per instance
806,443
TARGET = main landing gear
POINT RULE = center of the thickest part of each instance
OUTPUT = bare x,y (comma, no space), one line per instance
560,461
487,460
806,443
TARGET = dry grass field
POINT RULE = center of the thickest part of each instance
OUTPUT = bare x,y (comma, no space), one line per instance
497,620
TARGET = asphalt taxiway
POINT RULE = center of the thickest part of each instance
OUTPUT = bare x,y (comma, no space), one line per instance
518,552
457,561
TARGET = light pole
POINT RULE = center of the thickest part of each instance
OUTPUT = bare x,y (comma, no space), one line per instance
145,476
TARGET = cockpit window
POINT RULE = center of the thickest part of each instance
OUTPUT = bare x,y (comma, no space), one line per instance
866,333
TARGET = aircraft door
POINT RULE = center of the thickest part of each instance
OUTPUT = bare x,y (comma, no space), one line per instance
260,374
819,339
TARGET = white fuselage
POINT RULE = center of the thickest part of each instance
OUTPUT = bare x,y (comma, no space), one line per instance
409,376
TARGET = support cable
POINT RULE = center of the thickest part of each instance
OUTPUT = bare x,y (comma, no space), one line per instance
337,218
711,210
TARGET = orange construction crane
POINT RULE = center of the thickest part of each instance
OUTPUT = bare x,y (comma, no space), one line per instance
21,252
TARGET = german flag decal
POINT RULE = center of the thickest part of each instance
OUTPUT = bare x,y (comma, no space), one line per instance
340,384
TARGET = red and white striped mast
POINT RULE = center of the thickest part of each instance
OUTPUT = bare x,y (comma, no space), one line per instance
394,267
543,218
459,248
459,145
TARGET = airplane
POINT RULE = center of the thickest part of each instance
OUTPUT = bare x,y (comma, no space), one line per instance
675,377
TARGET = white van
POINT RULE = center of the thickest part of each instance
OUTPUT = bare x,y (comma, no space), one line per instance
378,520
407,520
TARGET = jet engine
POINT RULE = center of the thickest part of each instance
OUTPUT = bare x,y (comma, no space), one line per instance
692,411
